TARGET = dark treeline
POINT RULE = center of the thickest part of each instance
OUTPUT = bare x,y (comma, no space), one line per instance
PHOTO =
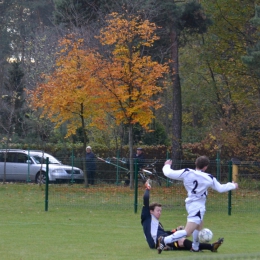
211,103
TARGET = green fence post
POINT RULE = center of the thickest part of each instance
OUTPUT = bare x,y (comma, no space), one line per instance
218,166
167,180
72,163
28,171
136,185
47,185
230,180
117,168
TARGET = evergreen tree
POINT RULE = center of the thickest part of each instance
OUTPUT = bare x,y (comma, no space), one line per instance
252,59
177,20
13,101
79,13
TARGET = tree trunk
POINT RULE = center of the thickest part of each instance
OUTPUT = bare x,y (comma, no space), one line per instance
177,103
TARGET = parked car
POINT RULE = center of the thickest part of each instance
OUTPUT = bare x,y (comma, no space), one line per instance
23,165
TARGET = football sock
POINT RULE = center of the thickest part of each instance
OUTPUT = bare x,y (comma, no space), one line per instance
195,236
175,237
205,246
202,246
187,244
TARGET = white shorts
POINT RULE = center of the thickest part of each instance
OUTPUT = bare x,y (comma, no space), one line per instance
196,212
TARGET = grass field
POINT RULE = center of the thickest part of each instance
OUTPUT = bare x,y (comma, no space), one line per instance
28,232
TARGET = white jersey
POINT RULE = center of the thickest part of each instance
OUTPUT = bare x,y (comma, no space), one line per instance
196,183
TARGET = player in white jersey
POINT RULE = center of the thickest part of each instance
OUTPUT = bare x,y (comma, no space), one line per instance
196,183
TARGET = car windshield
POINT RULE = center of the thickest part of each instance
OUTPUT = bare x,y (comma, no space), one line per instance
41,158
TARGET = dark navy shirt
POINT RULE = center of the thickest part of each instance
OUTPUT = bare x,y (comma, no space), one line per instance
90,161
149,224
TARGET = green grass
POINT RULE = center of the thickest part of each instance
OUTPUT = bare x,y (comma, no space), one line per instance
28,232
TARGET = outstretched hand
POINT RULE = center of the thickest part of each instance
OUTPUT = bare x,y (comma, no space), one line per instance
168,162
235,184
147,185
178,228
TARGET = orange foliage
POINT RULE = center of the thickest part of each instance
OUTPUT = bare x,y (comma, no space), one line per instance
130,79
85,83
68,94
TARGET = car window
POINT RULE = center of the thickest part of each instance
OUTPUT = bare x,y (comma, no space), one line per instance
2,157
16,157
40,159
21,158
10,157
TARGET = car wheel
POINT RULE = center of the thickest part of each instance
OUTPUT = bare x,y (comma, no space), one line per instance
40,177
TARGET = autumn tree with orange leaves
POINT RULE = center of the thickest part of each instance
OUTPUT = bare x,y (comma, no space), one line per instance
123,82
129,78
68,94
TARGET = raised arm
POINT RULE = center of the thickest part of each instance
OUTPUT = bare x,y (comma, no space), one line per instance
172,174
223,187
146,198
145,210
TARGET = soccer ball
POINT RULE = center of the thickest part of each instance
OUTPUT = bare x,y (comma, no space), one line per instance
205,235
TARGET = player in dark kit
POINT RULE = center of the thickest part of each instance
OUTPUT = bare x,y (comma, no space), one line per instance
153,229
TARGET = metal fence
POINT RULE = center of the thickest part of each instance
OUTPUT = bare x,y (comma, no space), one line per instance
110,189
110,192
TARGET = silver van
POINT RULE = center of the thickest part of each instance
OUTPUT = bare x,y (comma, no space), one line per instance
23,165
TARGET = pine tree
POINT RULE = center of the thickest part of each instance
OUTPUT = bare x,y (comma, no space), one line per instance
12,101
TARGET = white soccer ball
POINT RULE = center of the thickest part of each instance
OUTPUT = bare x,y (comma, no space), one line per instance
205,235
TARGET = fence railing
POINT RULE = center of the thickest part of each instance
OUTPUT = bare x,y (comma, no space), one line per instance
111,189
111,192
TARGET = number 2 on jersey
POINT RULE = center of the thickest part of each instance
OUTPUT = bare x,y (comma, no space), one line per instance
195,186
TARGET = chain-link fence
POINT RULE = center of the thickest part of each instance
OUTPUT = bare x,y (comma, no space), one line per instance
111,182
111,192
